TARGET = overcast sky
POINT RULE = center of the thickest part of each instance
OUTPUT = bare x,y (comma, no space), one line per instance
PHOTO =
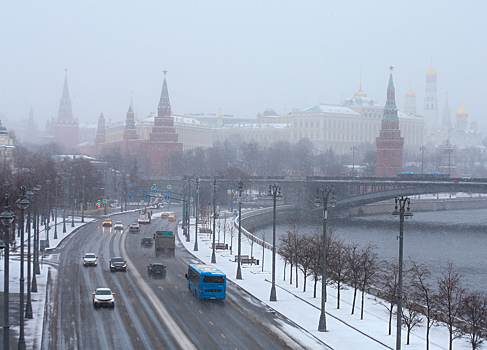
240,56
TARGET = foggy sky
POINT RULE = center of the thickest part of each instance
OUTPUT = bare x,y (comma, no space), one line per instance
240,56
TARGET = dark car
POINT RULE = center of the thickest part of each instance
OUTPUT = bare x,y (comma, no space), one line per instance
146,241
156,270
117,263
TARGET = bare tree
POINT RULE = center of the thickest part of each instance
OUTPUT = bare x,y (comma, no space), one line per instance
251,241
370,263
287,254
388,280
304,257
422,292
449,301
411,315
293,242
337,266
474,310
355,271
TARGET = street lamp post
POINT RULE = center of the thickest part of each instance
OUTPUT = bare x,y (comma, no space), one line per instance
48,182
28,307
213,255
72,206
399,210
56,180
197,207
188,211
65,192
83,200
37,189
22,203
240,190
274,191
422,149
6,217
324,194
353,148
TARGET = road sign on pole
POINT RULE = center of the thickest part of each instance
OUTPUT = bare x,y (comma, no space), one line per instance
147,196
168,192
131,195
169,187
167,197
191,199
140,191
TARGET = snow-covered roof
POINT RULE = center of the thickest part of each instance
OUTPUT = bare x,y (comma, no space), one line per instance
330,109
254,126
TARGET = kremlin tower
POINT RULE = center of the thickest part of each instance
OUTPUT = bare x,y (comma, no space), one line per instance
163,140
65,129
446,119
389,143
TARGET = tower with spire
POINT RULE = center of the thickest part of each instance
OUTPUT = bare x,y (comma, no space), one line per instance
446,116
130,132
101,130
32,132
389,143
163,140
65,129
430,108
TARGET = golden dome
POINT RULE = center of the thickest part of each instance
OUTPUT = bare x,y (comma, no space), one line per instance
431,72
410,93
462,112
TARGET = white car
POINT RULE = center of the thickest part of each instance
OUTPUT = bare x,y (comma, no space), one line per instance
90,259
103,297
118,225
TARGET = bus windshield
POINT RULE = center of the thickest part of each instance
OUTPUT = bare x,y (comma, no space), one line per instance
213,279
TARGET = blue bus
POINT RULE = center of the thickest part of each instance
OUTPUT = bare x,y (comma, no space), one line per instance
206,282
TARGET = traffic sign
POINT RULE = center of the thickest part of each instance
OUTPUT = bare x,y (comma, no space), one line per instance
191,199
155,191
169,187
186,224
131,195
140,191
104,200
168,192
167,197
147,196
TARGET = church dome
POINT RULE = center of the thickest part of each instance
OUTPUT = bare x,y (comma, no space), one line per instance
462,112
410,93
431,72
3,129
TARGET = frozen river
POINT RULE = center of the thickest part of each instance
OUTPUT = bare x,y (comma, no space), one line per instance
432,238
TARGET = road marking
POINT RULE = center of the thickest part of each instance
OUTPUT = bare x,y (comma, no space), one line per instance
211,323
158,307
223,336
200,312
160,287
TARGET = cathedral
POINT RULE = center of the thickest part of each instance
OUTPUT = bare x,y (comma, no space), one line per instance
438,131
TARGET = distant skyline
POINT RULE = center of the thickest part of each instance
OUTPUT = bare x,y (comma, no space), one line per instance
242,57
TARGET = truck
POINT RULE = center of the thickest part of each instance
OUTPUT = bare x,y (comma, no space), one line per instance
165,242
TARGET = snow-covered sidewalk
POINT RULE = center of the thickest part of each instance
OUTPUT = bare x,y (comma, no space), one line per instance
345,331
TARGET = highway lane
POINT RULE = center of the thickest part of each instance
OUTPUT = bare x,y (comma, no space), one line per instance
239,322
73,321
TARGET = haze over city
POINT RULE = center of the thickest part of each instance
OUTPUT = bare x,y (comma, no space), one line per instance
242,57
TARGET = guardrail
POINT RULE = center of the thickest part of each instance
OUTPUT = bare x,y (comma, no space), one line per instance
259,212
